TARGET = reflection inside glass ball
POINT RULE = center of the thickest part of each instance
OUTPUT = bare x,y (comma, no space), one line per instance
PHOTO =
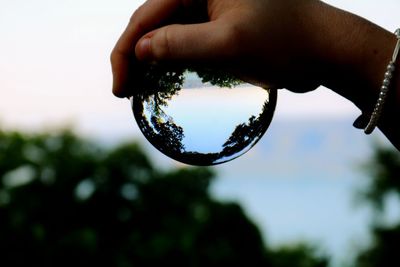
200,117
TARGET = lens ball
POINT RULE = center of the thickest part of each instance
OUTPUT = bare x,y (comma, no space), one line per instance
200,116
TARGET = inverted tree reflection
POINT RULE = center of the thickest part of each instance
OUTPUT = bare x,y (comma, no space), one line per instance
160,84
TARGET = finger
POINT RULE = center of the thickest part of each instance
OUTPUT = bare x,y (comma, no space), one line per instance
145,19
194,43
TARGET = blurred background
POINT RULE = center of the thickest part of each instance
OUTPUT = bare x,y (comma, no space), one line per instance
80,185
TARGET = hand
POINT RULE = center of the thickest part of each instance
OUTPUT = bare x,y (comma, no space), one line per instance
268,43
293,44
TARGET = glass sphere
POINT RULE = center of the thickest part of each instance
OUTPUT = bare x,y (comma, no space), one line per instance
200,116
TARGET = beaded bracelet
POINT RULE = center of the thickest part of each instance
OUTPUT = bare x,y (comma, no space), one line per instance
376,114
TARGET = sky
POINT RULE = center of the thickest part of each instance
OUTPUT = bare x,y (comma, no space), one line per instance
55,63
221,117
55,71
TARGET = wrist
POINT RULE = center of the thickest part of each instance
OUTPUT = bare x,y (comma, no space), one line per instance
354,54
388,122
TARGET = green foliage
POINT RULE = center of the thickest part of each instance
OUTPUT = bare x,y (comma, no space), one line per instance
65,201
384,169
303,255
157,81
216,77
162,82
384,250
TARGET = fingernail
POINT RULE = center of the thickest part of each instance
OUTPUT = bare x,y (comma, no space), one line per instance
144,49
361,122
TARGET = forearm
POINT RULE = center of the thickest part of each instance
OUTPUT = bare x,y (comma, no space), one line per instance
356,53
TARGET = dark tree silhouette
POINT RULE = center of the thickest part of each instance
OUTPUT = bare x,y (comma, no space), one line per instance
384,169
216,77
244,134
160,129
65,201
159,83
114,209
299,255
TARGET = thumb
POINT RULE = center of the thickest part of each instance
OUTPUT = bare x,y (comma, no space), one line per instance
187,43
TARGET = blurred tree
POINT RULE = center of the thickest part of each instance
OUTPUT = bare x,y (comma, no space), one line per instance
65,201
385,172
299,255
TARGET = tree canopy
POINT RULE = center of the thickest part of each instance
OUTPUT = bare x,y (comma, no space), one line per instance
66,201
384,170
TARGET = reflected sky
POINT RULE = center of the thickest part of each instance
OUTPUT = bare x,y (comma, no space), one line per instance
210,119
224,120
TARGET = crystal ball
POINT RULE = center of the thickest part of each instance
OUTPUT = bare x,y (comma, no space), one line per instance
199,116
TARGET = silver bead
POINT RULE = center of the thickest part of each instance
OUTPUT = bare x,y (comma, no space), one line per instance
391,67
386,82
388,75
384,88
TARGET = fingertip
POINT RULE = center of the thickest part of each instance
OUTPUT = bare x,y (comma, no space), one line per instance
118,80
143,49
119,83
118,90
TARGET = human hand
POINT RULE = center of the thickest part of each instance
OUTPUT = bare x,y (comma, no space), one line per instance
268,43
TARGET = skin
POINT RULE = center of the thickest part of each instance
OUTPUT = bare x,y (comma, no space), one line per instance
292,44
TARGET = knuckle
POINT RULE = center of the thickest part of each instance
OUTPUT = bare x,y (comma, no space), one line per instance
135,20
117,55
136,13
114,56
